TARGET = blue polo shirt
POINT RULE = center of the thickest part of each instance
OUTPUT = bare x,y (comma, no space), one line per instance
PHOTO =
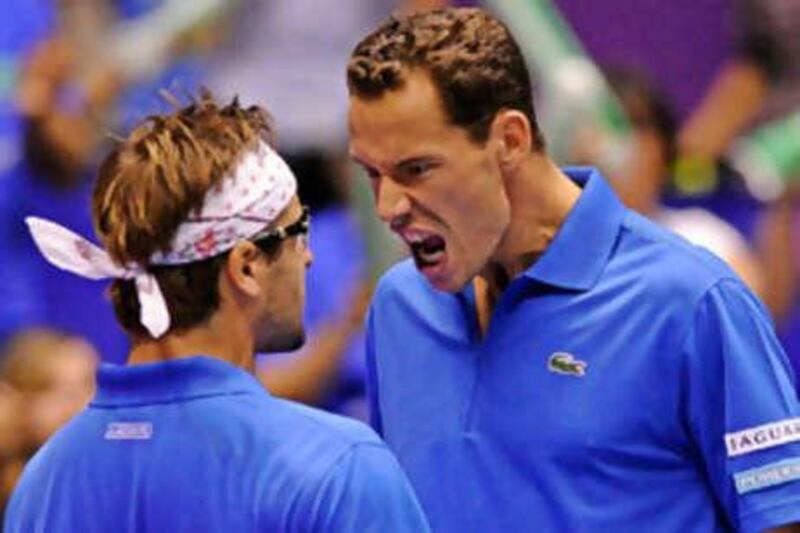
197,444
628,381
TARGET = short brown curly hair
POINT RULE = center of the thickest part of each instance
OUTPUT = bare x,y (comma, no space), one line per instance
152,181
472,58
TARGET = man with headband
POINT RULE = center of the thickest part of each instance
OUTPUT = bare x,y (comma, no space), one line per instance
205,242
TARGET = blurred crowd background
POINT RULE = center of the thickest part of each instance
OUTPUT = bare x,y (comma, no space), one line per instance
691,109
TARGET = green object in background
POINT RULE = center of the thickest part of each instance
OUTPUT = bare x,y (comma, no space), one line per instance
8,76
575,94
695,176
769,157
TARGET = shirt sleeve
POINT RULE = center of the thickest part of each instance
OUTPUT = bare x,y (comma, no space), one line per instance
743,409
366,491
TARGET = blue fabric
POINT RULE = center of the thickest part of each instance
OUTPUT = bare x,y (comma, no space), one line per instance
131,9
32,21
789,333
203,447
21,303
35,293
601,395
731,202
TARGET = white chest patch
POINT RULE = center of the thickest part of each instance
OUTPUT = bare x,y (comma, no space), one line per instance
129,431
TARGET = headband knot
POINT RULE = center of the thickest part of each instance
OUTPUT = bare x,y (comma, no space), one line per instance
249,198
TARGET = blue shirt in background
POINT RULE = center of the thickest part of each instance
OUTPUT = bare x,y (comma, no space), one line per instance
197,444
34,293
31,22
628,380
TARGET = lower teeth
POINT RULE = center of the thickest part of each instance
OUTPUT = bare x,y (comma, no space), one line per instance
431,258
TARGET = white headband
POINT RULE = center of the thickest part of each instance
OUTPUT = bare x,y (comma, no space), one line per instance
258,190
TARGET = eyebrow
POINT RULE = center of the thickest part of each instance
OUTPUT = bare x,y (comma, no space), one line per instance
357,161
416,160
401,164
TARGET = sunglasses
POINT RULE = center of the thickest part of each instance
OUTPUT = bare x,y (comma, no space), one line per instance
267,240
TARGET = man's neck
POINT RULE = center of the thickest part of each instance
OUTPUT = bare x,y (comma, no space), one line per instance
541,197
214,338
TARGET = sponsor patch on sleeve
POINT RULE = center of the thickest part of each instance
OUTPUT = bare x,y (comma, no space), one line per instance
763,437
129,431
767,476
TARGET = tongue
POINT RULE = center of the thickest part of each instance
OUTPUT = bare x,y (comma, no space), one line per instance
432,244
427,252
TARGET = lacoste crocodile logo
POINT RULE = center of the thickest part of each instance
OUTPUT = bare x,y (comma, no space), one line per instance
565,363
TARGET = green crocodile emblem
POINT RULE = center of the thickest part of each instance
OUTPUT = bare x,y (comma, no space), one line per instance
565,363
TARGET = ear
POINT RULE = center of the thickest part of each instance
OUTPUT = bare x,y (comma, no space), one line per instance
241,267
511,131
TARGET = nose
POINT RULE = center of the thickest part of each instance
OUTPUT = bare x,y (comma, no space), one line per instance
391,200
308,258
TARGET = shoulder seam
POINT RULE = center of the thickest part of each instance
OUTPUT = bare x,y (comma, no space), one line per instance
326,475
688,250
700,297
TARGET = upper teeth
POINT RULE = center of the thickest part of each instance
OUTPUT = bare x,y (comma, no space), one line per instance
414,237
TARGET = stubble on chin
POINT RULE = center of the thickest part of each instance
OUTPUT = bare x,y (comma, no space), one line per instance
287,342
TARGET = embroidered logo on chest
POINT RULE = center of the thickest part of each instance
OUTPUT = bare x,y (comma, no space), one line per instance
566,363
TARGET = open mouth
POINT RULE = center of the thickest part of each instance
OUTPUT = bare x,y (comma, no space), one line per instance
428,250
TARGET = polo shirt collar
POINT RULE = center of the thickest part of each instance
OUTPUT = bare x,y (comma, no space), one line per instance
576,257
170,381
